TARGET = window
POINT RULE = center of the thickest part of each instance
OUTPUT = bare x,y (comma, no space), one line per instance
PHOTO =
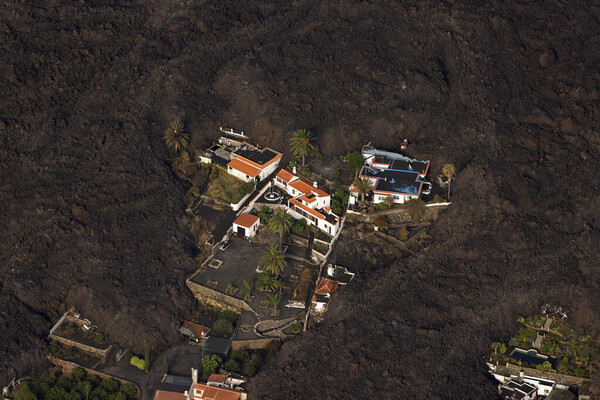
198,392
396,196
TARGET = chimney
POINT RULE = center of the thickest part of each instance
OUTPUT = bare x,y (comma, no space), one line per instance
521,373
294,170
194,376
315,184
330,270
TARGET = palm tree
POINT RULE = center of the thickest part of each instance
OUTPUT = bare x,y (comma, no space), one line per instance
301,144
449,171
274,299
281,222
266,281
246,291
175,136
363,185
273,260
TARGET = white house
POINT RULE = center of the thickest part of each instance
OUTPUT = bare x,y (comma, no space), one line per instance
308,201
393,175
251,163
246,225
516,389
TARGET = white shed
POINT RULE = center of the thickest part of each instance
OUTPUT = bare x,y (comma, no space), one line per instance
246,225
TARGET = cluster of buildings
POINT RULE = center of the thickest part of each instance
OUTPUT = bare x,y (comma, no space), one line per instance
217,387
393,175
334,277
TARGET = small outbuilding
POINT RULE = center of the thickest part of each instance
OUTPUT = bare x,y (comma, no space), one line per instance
217,346
246,225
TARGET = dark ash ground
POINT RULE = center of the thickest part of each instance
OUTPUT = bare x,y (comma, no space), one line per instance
93,215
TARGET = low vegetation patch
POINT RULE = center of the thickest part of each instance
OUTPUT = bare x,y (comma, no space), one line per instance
227,188
75,386
568,351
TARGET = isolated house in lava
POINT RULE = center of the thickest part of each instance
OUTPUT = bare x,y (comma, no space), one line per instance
308,201
393,175
241,158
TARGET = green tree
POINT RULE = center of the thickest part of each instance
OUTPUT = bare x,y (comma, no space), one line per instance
502,349
355,161
564,366
240,355
229,316
281,222
273,260
246,291
266,281
137,362
265,214
389,202
24,393
110,385
301,144
146,357
77,375
222,327
364,185
165,366
449,171
299,225
232,366
175,136
274,299
210,364
416,209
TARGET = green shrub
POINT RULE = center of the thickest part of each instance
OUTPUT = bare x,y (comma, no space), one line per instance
77,375
299,225
70,328
337,174
424,235
296,327
229,316
54,347
564,366
70,352
128,390
210,364
545,366
502,349
249,370
580,372
100,337
265,214
110,385
416,209
232,366
292,164
355,161
195,190
403,233
137,362
24,393
255,361
380,206
222,327
146,357
240,355
214,174
305,171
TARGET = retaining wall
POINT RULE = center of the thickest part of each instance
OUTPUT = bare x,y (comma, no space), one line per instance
255,344
217,299
69,365
562,379
84,347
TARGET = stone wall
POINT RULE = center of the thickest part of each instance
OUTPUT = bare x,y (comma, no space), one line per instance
255,344
69,365
84,347
568,380
217,299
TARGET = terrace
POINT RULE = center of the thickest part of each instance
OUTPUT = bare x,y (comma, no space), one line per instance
226,272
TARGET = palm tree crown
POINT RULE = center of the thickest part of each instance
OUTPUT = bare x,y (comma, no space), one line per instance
267,281
175,136
449,170
363,185
281,222
246,291
273,260
274,299
301,144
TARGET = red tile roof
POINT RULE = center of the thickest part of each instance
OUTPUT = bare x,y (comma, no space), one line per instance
246,220
217,378
198,330
215,393
243,167
307,209
165,395
285,175
326,285
306,199
305,187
